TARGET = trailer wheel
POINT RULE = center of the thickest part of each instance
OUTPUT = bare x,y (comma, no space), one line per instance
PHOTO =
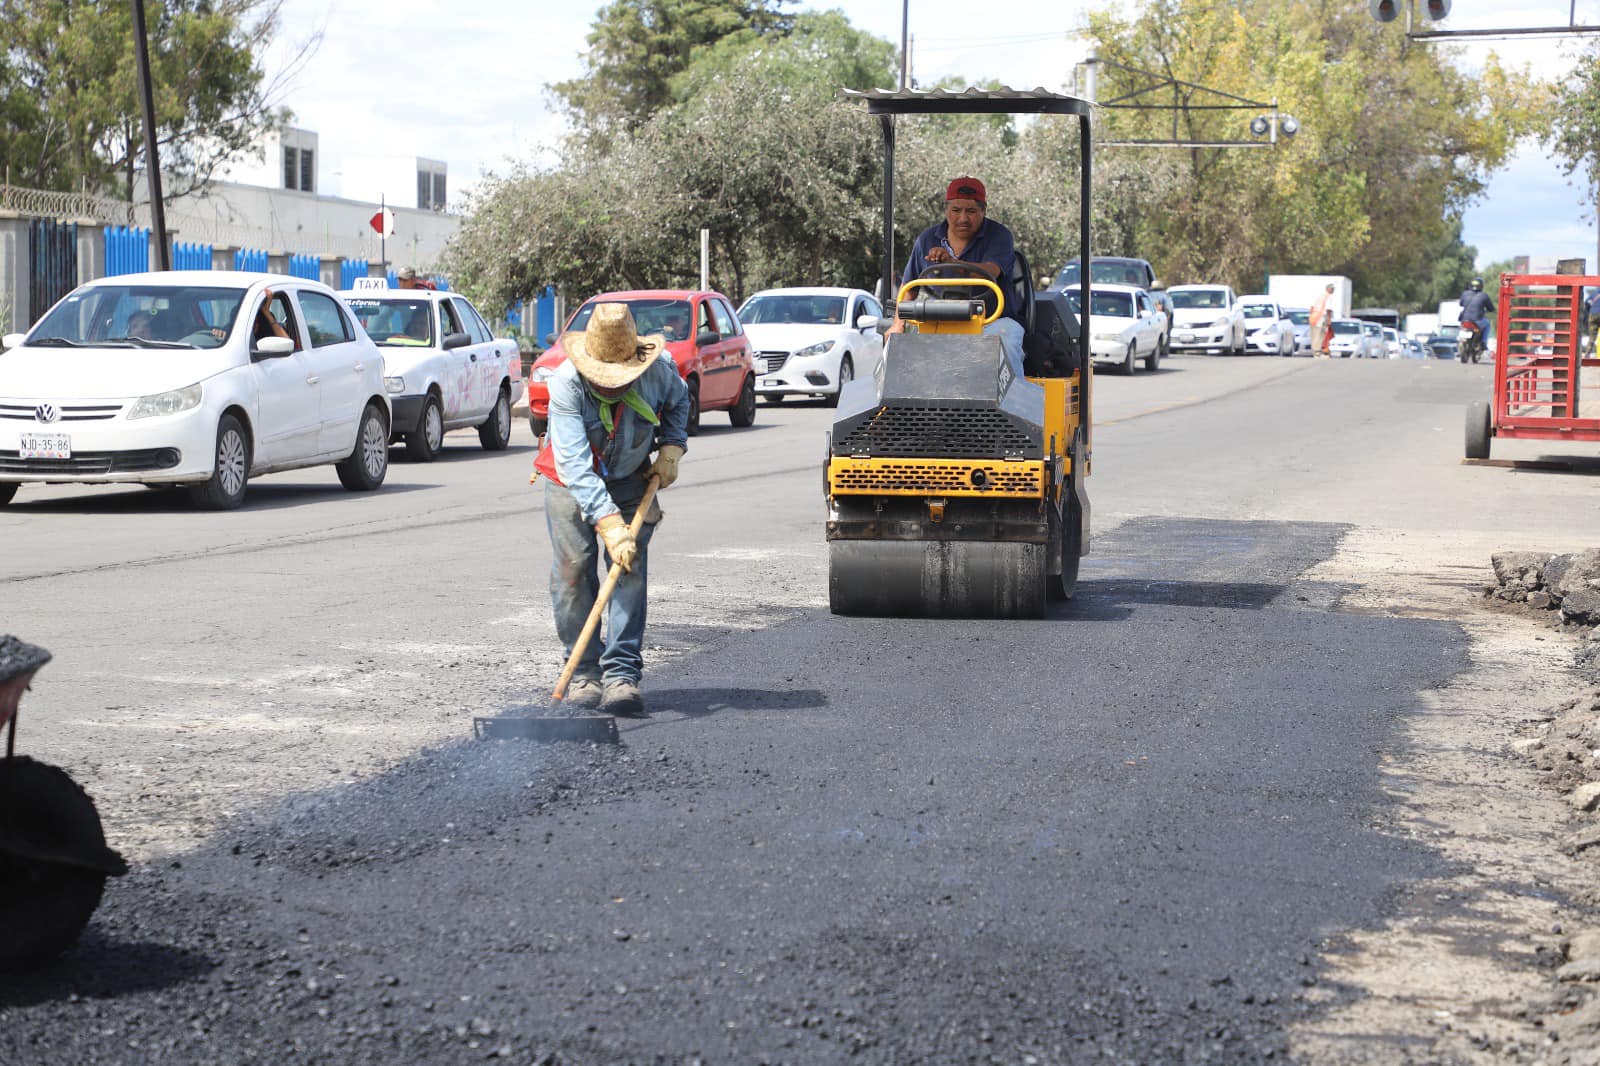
1477,430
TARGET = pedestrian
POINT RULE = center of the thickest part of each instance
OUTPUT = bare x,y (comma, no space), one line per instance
1320,316
968,235
618,397
408,279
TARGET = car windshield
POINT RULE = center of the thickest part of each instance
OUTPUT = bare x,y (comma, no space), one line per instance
1449,332
140,316
806,310
393,323
1299,316
1345,326
1105,304
1208,299
663,315
1104,273
1259,311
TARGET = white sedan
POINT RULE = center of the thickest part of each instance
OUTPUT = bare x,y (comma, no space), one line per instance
443,367
1267,326
812,341
196,378
1124,325
1208,319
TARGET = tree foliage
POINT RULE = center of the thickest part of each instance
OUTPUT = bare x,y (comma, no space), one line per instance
69,98
1395,140
1574,131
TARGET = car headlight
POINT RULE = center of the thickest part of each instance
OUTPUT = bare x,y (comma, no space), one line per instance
814,349
1219,323
395,385
542,374
166,403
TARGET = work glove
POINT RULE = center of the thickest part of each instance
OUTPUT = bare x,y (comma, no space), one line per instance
666,464
620,544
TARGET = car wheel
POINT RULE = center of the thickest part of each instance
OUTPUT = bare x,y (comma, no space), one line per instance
495,432
694,406
45,905
1477,430
425,442
1153,360
1128,360
224,489
847,374
743,413
8,490
368,462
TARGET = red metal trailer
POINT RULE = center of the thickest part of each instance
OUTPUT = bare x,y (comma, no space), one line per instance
1539,333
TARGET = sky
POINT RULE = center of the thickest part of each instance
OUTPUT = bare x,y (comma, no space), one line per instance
466,83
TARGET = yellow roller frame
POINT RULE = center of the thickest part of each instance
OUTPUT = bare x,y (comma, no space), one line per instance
1000,478
971,325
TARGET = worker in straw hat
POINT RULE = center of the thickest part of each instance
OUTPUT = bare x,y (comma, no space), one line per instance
617,398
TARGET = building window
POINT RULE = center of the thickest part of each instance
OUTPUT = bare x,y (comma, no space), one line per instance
291,167
424,189
438,191
308,170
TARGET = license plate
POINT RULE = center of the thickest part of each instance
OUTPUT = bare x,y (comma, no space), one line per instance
1186,337
46,446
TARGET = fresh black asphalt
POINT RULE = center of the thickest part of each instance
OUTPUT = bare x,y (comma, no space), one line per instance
1128,832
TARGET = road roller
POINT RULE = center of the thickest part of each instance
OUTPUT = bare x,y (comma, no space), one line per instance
955,488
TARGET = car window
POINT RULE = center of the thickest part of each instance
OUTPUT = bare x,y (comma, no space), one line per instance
394,323
664,315
703,318
276,319
1107,304
727,324
469,319
324,324
871,306
449,321
141,316
1259,311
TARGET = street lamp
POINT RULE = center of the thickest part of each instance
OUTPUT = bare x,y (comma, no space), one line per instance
1270,126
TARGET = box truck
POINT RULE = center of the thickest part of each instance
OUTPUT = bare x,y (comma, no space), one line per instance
1303,290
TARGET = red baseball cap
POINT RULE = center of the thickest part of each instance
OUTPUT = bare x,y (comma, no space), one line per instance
966,189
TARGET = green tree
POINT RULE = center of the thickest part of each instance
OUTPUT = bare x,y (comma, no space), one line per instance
1574,128
69,99
637,47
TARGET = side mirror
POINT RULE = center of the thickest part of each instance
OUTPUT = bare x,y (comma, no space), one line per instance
455,340
13,340
274,346
867,323
707,336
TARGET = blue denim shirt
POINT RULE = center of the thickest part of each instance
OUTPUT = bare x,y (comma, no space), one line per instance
577,435
991,244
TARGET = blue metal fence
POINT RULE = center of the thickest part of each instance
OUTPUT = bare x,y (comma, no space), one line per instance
252,259
306,266
544,315
127,250
187,255
394,280
350,270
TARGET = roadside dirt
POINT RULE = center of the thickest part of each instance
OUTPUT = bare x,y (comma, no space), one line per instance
1466,969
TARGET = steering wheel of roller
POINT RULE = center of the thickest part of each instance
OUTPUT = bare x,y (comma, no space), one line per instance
958,269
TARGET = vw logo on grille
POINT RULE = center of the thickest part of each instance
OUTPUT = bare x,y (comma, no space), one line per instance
46,413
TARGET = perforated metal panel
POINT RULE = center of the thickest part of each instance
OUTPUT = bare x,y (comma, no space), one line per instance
950,477
937,432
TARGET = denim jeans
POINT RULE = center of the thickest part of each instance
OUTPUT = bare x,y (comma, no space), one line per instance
575,568
1009,330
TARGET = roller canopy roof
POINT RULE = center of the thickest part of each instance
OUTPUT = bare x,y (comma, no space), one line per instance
969,102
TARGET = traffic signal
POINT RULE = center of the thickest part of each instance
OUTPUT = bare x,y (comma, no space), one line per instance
1435,9
1384,10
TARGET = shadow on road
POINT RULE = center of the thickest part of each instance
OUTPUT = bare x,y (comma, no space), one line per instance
100,967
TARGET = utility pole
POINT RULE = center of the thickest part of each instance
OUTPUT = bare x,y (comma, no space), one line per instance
152,162
905,44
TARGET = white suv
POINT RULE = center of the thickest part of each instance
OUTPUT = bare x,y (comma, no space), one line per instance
195,378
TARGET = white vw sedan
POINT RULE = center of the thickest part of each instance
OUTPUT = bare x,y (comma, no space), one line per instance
443,368
1124,325
195,378
812,341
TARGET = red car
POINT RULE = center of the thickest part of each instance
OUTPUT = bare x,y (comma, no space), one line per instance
706,341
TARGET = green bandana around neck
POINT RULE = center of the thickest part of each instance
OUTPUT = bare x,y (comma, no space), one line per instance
608,406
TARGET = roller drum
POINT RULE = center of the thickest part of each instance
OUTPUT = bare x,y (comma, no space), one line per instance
937,579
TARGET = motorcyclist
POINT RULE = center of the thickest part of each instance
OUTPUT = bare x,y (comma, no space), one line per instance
1476,307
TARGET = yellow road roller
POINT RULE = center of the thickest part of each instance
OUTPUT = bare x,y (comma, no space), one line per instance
955,488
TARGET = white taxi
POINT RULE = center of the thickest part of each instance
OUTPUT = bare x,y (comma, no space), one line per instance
1124,325
443,367
197,378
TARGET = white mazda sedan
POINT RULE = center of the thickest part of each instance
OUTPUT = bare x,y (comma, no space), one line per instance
1124,325
812,341
202,379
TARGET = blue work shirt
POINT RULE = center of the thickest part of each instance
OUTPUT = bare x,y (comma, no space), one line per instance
1476,307
577,436
991,244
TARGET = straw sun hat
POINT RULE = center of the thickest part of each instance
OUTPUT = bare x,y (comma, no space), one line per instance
611,353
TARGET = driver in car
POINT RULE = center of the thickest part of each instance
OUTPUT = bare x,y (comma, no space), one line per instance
968,235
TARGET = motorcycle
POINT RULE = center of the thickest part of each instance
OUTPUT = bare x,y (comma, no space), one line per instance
1469,346
53,855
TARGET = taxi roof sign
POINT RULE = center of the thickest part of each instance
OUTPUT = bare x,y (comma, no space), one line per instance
370,284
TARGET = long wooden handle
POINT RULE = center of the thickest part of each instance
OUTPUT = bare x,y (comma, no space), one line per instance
604,597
